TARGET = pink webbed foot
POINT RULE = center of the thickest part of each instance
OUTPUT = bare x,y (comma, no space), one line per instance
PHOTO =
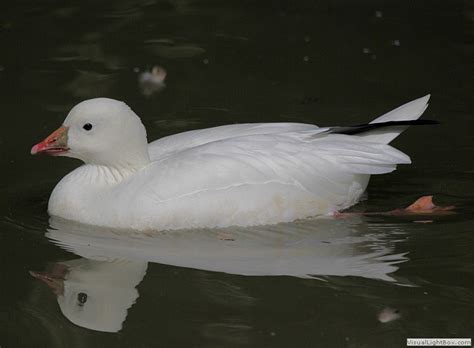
422,206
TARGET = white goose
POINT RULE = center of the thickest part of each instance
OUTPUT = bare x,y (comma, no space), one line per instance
243,174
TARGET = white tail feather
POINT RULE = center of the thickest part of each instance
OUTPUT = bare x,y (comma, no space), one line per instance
409,111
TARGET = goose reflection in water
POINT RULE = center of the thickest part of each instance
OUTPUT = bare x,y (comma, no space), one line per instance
95,294
96,291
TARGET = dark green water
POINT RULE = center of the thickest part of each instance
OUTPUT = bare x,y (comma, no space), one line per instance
306,284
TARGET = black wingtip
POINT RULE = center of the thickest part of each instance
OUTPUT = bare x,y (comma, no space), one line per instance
403,123
361,128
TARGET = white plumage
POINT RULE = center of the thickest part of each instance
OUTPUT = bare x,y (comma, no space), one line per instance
244,174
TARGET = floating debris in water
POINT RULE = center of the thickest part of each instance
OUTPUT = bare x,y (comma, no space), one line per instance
378,14
373,56
205,61
227,237
153,81
2,68
136,69
396,43
366,50
306,58
389,314
307,38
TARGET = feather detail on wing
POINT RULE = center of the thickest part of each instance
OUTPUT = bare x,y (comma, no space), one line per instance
187,140
323,166
358,156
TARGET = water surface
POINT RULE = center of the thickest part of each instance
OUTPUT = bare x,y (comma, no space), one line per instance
319,282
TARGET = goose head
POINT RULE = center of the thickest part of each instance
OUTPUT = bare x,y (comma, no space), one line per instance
99,131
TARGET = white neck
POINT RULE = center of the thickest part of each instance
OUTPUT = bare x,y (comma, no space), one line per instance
102,175
122,161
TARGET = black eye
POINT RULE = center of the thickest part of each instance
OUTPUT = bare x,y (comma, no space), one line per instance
87,126
82,298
